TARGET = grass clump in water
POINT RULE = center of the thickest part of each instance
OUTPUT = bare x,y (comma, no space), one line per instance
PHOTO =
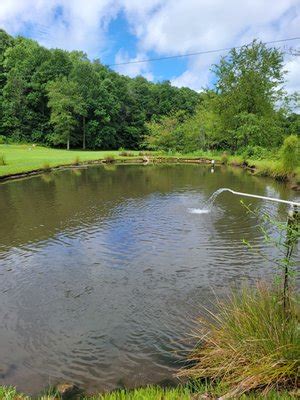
248,344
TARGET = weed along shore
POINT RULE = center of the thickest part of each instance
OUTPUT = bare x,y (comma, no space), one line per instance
28,160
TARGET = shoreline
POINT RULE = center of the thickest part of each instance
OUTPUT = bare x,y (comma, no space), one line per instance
146,160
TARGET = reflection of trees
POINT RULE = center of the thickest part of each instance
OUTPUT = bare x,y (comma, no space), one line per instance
37,208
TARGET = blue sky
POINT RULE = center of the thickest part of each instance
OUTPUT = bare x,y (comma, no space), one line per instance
126,30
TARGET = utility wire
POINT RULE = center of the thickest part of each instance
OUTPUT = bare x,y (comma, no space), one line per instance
197,53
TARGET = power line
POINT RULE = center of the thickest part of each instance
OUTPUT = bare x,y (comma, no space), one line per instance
196,53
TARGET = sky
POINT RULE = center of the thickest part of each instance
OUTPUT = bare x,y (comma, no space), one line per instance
117,31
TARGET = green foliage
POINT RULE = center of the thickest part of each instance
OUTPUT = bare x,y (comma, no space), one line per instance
224,158
255,152
110,158
55,97
193,391
65,102
241,114
125,153
248,343
290,155
2,139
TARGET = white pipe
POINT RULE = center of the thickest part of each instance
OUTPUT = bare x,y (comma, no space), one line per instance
264,198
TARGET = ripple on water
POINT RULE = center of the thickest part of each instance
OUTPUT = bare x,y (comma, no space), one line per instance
103,276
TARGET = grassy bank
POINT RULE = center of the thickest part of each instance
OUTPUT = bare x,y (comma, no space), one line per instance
22,158
150,393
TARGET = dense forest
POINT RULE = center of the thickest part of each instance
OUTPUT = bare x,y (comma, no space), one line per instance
61,98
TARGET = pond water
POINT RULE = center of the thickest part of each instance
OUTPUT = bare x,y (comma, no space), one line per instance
103,270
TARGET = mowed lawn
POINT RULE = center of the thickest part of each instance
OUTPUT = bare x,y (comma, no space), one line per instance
25,157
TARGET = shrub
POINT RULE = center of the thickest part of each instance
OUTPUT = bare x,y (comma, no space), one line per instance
109,158
290,153
76,160
248,343
46,166
255,152
224,158
2,139
2,160
125,153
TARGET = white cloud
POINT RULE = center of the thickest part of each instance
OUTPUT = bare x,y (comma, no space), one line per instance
68,24
174,27
293,74
133,69
166,27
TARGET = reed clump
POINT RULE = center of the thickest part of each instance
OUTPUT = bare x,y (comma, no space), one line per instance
2,160
76,161
125,153
46,166
224,158
290,154
248,344
109,158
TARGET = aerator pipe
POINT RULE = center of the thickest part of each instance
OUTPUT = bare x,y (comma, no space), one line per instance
293,203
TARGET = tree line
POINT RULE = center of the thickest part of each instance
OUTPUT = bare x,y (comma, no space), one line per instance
248,108
61,98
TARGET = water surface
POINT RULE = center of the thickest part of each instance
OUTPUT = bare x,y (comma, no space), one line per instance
103,269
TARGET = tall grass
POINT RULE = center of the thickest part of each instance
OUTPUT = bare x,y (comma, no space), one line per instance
110,158
248,343
290,154
2,160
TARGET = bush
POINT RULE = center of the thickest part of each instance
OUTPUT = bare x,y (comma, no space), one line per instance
46,166
224,158
2,160
248,343
109,158
255,152
76,160
3,139
290,154
125,153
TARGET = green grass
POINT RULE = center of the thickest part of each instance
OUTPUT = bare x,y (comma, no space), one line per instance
248,344
181,392
21,158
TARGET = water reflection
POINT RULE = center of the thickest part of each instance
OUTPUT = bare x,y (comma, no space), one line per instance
103,269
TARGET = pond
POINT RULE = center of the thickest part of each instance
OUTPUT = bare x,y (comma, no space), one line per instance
103,269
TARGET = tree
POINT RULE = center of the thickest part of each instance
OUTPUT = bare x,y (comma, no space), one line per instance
249,85
66,104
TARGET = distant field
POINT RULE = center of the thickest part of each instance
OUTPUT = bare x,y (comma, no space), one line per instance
25,157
